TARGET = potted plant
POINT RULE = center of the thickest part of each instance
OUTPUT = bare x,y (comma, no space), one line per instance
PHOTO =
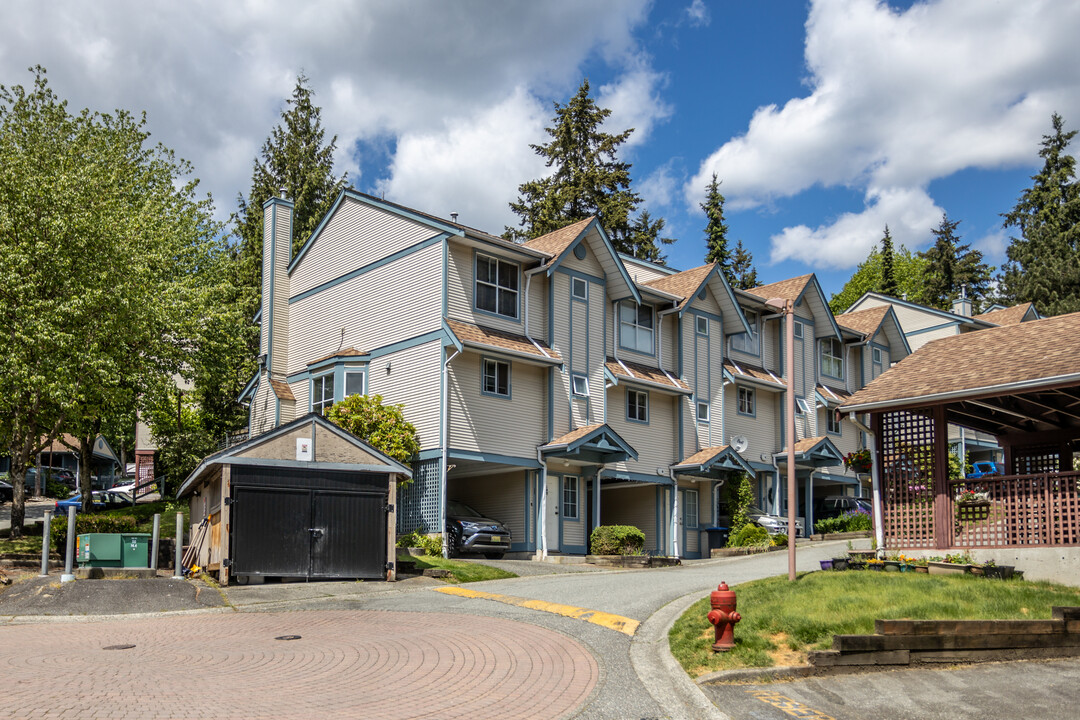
892,565
954,564
840,563
858,461
826,564
875,564
993,570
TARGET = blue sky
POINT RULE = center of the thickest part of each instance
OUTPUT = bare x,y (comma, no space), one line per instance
825,119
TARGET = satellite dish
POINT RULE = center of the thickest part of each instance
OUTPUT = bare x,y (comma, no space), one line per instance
739,443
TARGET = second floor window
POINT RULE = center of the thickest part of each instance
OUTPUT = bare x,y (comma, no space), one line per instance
747,342
496,378
636,327
832,423
832,358
322,393
746,401
637,406
496,286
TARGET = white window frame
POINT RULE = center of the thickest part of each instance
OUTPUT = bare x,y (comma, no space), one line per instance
746,398
801,407
497,287
575,283
747,343
832,424
832,365
579,385
641,403
351,372
632,333
701,325
702,417
493,364
570,497
322,404
875,354
690,519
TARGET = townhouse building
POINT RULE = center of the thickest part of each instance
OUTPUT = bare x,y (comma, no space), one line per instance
556,385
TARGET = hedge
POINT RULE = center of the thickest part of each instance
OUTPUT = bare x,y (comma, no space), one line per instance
617,540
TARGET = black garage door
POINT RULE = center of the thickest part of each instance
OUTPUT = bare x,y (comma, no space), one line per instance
328,525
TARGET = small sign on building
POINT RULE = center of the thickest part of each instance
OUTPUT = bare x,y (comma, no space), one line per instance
303,449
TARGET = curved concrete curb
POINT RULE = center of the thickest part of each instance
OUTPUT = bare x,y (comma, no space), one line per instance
664,678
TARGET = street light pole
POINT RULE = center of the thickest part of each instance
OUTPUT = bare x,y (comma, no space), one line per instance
788,308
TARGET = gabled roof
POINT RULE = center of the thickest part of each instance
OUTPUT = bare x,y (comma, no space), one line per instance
711,460
556,245
797,289
368,458
819,451
877,299
1011,315
744,372
998,360
868,322
502,342
830,397
689,283
638,374
594,443
101,448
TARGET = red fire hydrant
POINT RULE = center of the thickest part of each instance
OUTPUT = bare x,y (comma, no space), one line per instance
723,617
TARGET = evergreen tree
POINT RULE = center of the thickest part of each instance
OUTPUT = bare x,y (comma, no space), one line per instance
889,285
743,274
909,270
716,243
1042,264
587,179
951,265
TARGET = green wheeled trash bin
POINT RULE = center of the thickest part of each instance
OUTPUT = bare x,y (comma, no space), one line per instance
135,550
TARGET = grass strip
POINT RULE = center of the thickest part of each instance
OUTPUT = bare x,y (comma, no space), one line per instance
461,572
782,621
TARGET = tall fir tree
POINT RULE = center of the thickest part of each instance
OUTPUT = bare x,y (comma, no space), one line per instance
743,274
587,179
889,286
716,243
950,266
1042,265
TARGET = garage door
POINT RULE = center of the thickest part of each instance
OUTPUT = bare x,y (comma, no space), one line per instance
308,532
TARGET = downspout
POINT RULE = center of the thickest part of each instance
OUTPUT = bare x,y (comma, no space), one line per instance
541,522
875,484
444,421
674,514
528,281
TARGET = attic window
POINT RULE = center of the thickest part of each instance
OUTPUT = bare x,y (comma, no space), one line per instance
798,329
877,355
702,325
579,288
579,251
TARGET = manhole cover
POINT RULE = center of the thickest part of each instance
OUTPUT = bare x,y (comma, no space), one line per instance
117,647
287,637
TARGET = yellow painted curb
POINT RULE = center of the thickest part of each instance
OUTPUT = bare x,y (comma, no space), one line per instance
617,623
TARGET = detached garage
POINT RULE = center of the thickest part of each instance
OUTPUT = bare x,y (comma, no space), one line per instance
306,500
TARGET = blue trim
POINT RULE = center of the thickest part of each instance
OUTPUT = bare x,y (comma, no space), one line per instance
404,252
757,327
516,318
551,404
584,284
337,360
270,301
753,401
451,338
645,263
942,326
318,230
613,474
527,512
404,212
568,366
603,334
648,413
703,313
509,390
250,388
493,458
582,276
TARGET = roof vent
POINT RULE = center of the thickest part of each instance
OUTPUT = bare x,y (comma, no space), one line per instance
453,217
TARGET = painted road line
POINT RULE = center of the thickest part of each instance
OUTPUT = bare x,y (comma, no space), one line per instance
618,623
793,708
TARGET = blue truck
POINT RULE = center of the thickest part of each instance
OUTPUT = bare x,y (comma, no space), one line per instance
985,468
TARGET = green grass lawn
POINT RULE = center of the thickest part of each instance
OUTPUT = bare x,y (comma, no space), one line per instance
782,620
461,572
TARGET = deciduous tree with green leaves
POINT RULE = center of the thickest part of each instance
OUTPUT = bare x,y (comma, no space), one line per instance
384,427
908,269
1042,265
951,265
105,254
587,179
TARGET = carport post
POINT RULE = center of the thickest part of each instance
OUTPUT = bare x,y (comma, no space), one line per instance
178,572
69,559
46,538
154,542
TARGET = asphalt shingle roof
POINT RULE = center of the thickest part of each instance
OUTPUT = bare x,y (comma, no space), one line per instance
1008,316
499,339
682,284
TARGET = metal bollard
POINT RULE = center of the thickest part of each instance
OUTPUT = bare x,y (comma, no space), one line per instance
154,542
178,572
46,540
70,558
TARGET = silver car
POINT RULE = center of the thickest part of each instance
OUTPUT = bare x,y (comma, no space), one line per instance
774,524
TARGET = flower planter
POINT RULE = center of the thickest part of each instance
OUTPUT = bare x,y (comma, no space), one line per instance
892,566
944,568
922,569
826,564
876,567
908,567
856,564
1003,572
840,563
860,468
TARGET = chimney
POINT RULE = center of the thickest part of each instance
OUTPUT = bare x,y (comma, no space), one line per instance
277,251
962,305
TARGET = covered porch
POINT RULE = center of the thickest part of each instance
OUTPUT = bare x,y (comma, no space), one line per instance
1019,384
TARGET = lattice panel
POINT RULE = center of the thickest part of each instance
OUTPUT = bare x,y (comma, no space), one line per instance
1017,511
907,475
419,502
1035,459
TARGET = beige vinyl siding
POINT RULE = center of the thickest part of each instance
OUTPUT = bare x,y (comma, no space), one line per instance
656,442
917,341
288,411
393,303
500,497
461,288
301,390
484,423
276,317
770,346
579,352
538,306
702,364
718,435
762,431
632,506
413,381
642,274
590,265
263,408
357,235
565,417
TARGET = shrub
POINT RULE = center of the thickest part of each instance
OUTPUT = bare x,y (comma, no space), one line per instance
89,524
617,540
779,540
56,489
431,545
750,535
382,426
854,521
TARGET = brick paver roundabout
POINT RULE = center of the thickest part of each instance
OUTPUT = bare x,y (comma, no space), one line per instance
345,664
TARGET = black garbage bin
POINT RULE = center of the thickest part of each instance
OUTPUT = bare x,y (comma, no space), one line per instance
718,537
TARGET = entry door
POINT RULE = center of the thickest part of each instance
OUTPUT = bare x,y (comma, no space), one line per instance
348,535
690,535
551,516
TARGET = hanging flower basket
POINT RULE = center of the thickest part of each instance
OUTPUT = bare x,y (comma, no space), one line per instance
858,461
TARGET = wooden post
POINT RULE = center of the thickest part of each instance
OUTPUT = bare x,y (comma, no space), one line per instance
224,536
391,529
943,526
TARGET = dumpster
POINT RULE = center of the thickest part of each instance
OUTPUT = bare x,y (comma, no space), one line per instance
718,537
123,550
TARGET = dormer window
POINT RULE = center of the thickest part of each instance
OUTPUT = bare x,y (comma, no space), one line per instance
497,286
747,342
636,327
832,358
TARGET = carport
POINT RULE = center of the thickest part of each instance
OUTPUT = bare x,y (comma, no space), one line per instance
305,500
